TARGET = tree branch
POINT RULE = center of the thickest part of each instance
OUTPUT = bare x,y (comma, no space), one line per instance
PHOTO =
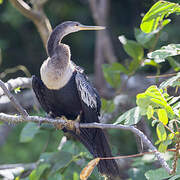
37,15
13,100
36,119
12,84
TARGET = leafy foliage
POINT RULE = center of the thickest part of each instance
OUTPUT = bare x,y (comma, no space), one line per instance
164,52
130,117
154,18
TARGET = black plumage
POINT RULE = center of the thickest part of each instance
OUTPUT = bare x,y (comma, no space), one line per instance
76,97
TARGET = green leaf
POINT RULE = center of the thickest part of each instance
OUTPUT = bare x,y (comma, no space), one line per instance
161,132
150,112
132,48
17,90
174,64
60,160
56,176
165,51
111,76
153,96
162,147
161,173
119,68
1,1
36,173
107,105
162,115
130,117
175,177
75,176
157,174
28,132
153,19
145,39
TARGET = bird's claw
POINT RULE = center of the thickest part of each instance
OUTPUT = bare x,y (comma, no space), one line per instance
69,124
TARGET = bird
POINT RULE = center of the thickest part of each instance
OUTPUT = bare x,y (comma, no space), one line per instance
63,90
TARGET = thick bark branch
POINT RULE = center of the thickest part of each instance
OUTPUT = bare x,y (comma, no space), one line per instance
40,120
37,15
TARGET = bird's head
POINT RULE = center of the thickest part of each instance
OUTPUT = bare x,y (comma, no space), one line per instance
64,29
72,26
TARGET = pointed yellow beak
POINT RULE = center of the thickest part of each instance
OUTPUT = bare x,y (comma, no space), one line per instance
83,27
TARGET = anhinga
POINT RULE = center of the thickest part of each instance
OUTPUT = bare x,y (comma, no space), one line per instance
64,90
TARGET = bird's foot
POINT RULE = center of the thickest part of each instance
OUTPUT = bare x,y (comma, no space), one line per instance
68,124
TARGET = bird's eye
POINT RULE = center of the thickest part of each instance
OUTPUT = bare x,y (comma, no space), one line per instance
77,24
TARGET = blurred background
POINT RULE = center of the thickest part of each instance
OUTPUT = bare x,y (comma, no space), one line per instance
21,44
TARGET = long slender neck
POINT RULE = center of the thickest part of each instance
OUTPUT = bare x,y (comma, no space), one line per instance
55,38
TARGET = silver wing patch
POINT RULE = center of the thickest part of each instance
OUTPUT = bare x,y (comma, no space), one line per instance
87,94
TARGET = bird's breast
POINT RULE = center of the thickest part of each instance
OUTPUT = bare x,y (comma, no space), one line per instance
55,78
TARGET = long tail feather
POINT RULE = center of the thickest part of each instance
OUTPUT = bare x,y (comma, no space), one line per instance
96,143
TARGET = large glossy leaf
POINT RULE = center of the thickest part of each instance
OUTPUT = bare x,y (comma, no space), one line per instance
130,117
154,18
166,51
28,132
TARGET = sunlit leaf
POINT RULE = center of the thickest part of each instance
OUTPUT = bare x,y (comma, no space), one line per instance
162,147
28,132
162,115
17,90
154,18
153,96
130,117
1,1
161,132
150,112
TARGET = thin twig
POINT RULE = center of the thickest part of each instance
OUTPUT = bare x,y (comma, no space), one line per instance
161,76
16,119
13,100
